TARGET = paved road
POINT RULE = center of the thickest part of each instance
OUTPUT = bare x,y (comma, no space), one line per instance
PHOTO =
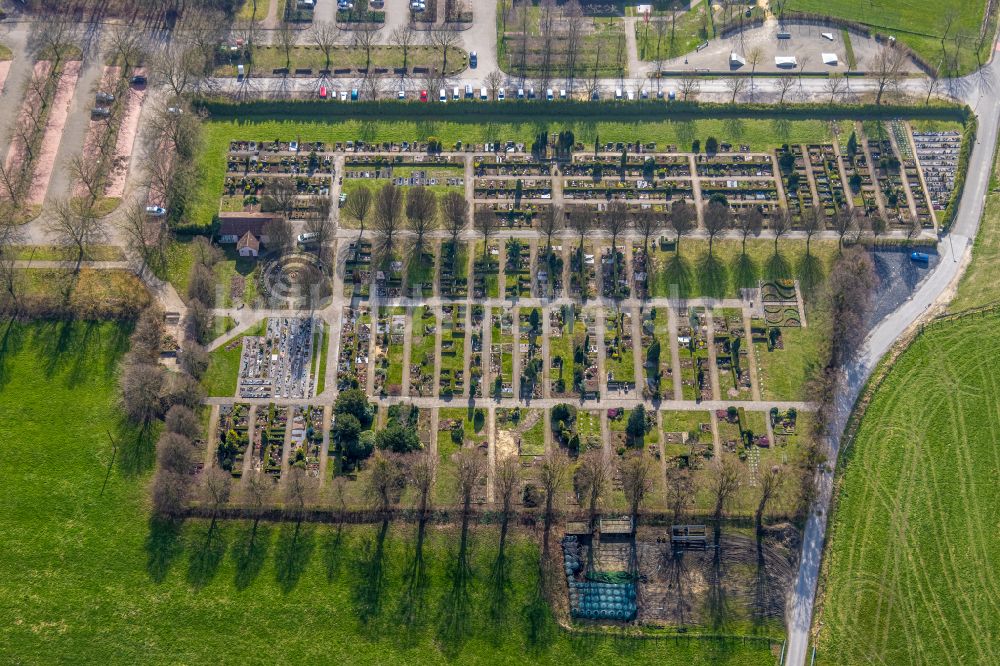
979,93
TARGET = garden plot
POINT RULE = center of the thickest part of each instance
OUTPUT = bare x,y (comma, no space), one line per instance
501,353
529,341
389,336
517,269
687,439
232,437
459,428
888,178
549,272
576,430
486,270
795,177
937,156
583,272
423,351
306,433
696,378
658,370
476,355
420,272
640,271
279,363
614,275
632,428
269,440
453,280
619,356
389,278
452,380
520,432
825,168
731,354
567,338
355,347
358,269
780,303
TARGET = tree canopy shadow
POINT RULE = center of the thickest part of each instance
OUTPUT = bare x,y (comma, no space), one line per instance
11,342
677,273
778,267
810,272
745,271
368,594
333,552
456,606
413,602
713,278
249,553
206,547
137,448
294,548
162,546
499,596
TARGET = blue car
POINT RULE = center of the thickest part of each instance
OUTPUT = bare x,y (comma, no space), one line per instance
920,257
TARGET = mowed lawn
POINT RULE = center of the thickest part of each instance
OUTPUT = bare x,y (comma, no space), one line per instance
87,578
919,24
913,558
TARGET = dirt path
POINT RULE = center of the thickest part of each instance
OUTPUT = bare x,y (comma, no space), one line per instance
58,116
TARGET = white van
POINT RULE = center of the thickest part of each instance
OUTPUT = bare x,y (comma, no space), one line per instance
482,94
468,91
443,97
455,94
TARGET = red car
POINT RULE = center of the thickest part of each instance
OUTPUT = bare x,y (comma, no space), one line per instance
423,95
322,92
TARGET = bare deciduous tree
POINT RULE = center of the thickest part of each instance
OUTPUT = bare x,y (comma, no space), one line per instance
142,386
887,69
183,421
421,212
785,85
325,35
689,86
735,85
486,224
592,479
215,488
494,81
726,478
384,484
750,223
683,218
768,484
75,227
813,222
446,40
781,224
717,221
636,473
388,217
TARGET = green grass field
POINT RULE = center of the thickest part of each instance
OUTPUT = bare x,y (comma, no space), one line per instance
911,565
89,578
978,285
221,377
921,25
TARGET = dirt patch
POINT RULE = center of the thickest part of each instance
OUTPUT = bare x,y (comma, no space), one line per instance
506,444
4,71
53,132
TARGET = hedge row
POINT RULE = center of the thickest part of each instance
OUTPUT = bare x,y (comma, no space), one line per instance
968,140
528,111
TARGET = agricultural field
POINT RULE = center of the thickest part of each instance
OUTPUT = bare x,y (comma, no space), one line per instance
920,468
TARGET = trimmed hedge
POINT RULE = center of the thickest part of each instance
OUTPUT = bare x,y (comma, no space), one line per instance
529,111
968,140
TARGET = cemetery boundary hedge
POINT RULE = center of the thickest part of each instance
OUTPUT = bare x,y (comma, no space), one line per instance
961,171
530,111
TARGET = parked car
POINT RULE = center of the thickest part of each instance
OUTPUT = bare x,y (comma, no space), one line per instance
473,60
455,94
423,95
175,110
354,94
483,94
468,91
105,98
501,94
401,95
920,257
156,211
100,112
138,80
548,95
443,96
322,92
308,238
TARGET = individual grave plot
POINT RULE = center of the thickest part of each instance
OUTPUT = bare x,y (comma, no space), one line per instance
687,439
529,342
517,269
549,271
632,428
696,376
355,346
614,276
731,354
937,156
859,177
583,271
640,271
486,270
658,368
575,430
453,280
306,439
619,355
423,351
511,215
269,439
389,278
358,269
476,352
279,363
458,428
519,432
390,328
795,178
232,437
501,353
829,184
452,380
741,430
567,335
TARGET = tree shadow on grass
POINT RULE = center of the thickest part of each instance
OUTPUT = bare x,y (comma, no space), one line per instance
778,267
746,272
499,595
456,606
294,548
206,548
810,272
677,274
137,448
713,278
249,552
413,602
163,545
333,553
368,594
11,342
539,627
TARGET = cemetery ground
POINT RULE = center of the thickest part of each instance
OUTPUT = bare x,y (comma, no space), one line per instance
911,567
108,584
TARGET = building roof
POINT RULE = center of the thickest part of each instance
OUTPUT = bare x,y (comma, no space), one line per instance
250,241
238,224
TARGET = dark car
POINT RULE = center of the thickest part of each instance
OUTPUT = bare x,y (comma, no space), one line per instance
138,80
